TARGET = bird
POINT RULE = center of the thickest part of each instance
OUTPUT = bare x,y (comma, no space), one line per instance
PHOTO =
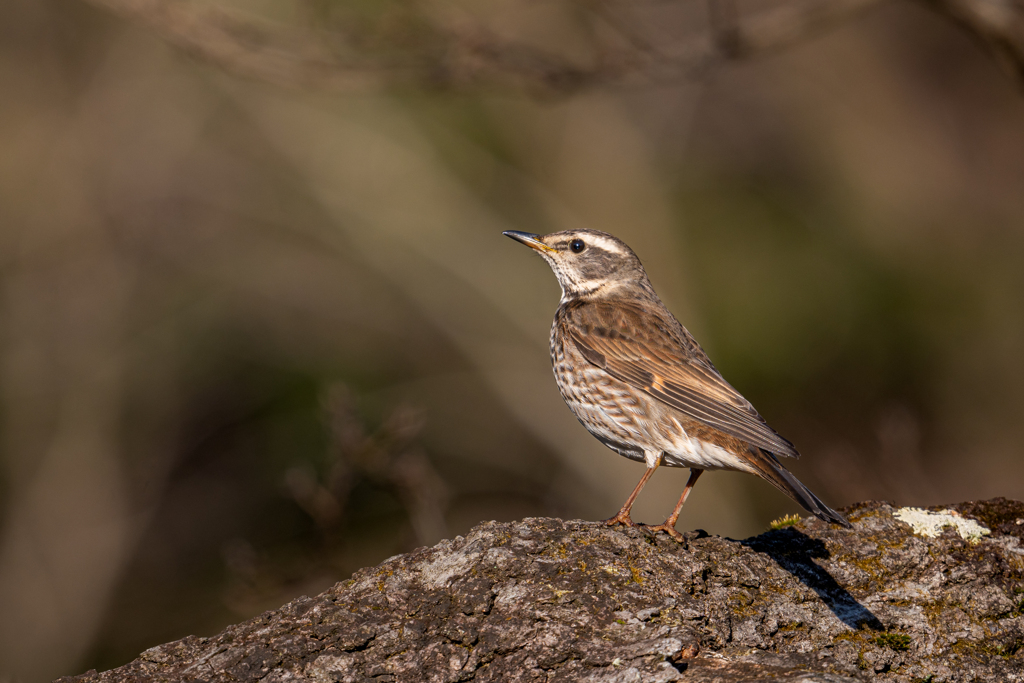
642,385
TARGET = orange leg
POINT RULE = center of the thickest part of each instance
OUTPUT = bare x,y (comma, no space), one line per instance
623,516
669,526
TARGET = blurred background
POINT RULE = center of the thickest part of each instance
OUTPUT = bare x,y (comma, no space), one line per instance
259,329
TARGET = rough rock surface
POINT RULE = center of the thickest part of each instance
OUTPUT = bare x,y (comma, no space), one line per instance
545,599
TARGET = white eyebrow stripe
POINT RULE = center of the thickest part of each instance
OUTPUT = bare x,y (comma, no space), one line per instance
604,243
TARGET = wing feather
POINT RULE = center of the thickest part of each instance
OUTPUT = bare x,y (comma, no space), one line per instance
658,356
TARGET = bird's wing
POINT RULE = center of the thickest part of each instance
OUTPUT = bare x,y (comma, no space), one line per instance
656,355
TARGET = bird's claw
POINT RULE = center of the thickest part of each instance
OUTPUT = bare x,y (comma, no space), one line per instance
621,518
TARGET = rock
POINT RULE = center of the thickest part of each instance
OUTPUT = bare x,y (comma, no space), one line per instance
550,600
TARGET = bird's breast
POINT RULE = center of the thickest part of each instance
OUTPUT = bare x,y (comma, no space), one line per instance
627,419
607,407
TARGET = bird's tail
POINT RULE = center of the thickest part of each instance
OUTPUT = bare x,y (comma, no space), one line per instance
769,468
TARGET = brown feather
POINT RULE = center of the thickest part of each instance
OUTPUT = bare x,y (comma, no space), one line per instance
655,354
771,470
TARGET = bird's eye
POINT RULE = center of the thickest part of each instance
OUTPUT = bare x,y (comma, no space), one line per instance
577,246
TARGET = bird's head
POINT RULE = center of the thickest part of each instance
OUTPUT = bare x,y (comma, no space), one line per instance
587,263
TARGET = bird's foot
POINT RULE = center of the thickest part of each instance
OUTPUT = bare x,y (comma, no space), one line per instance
668,529
622,518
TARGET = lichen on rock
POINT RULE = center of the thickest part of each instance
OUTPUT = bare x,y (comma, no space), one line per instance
553,600
930,523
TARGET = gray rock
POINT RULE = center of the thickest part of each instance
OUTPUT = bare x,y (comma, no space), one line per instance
549,600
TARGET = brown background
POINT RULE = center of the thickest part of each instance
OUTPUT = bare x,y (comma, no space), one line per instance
255,337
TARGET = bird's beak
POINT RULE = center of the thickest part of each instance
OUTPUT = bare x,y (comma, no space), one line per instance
529,239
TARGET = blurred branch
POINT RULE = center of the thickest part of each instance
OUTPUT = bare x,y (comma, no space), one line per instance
240,43
388,457
780,27
416,50
999,24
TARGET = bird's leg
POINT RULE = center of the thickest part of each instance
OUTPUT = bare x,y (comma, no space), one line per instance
669,526
623,516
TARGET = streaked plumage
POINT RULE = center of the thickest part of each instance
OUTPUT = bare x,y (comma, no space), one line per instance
640,383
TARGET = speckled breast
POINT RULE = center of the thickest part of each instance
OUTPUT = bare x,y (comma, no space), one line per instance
626,419
615,413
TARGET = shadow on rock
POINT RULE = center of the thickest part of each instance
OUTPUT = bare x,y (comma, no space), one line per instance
795,552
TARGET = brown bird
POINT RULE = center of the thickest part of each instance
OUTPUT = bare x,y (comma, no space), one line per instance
640,383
